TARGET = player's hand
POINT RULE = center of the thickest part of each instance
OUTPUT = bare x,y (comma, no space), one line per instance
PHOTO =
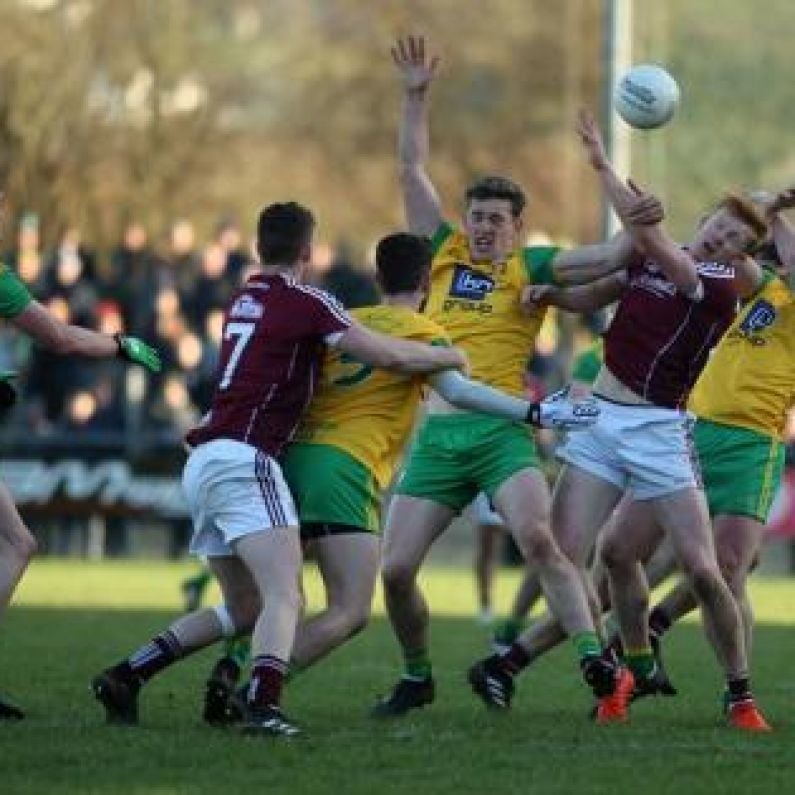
8,394
591,140
559,411
417,68
535,297
641,208
137,351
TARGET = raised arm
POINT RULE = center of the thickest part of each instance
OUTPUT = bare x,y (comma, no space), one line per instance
651,239
421,202
381,350
586,264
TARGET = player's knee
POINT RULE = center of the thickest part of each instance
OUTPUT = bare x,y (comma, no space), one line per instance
568,541
397,575
614,555
540,549
704,578
238,616
24,545
731,565
357,616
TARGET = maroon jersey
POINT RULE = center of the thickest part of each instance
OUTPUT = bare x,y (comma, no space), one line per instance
273,341
659,339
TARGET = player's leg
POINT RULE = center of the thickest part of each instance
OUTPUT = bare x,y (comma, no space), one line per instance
580,501
412,525
193,588
629,540
237,588
631,532
435,486
684,517
525,598
524,503
273,558
340,512
487,538
348,563
117,687
17,547
737,540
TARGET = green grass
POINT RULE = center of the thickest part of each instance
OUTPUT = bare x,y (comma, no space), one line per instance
71,619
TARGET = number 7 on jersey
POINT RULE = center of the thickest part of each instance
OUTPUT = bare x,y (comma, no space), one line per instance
241,333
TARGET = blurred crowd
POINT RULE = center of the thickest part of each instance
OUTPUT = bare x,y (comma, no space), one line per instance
172,296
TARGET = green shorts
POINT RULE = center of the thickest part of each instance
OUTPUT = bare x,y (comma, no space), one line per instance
457,455
331,488
741,469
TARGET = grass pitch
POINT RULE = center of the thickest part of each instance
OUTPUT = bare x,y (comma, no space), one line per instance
72,619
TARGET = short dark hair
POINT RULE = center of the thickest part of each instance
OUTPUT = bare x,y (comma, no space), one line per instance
283,229
493,187
402,262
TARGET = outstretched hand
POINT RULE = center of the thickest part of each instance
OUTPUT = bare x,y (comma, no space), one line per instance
415,65
138,352
644,209
535,297
591,139
559,411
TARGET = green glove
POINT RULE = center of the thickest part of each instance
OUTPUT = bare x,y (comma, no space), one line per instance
8,395
134,350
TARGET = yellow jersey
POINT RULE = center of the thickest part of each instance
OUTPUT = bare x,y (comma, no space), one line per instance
478,305
749,379
367,412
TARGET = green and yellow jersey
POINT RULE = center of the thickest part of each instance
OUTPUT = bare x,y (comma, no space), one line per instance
14,296
478,305
365,411
749,380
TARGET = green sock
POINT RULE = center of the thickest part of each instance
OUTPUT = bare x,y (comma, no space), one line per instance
293,669
201,580
587,644
640,661
418,664
508,631
239,650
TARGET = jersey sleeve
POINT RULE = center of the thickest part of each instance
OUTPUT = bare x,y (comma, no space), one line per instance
441,236
14,296
587,365
538,264
329,319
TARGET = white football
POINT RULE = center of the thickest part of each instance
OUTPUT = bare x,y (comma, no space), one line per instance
646,96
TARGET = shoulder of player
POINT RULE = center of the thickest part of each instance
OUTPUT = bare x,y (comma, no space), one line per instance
313,295
449,239
398,321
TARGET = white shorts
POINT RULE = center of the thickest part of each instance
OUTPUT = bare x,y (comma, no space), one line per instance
233,490
480,511
645,449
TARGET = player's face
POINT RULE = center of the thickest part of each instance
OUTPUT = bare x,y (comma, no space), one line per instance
722,237
492,230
